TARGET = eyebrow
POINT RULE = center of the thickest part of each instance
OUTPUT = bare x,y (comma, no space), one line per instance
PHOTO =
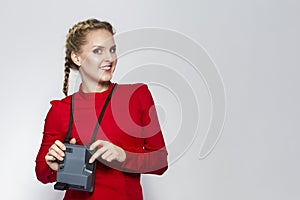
102,47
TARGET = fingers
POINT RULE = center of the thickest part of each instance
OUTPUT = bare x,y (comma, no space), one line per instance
73,141
98,143
100,151
56,151
111,158
108,151
103,152
56,155
49,158
60,145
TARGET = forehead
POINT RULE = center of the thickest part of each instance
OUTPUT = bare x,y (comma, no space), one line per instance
100,37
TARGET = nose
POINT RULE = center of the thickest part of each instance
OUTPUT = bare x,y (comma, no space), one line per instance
109,56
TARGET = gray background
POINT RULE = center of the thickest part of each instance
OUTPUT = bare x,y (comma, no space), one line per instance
254,44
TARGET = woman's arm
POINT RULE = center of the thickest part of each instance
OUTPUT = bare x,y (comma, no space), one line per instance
152,158
52,132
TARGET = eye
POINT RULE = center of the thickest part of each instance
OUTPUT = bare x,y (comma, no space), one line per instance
97,51
113,50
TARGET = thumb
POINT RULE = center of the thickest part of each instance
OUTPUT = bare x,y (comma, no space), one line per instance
73,141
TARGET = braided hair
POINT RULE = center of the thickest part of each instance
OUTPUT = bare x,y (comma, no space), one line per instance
76,38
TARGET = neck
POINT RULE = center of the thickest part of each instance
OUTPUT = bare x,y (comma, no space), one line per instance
90,88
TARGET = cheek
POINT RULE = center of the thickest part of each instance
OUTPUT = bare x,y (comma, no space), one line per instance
115,61
92,61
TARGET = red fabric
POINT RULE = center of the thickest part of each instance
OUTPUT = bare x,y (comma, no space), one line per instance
130,121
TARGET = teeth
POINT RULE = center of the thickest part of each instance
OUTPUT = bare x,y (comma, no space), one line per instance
105,67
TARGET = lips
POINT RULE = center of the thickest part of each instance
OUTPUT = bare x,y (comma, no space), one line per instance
106,67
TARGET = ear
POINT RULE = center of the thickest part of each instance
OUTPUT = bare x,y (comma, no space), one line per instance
76,58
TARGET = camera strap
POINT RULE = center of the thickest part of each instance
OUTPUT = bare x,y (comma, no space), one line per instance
68,137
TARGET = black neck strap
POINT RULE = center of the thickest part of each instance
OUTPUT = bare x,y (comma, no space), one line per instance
67,140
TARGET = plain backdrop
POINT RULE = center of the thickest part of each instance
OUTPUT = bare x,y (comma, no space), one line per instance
255,46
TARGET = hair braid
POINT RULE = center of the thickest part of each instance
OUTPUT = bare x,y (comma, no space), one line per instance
66,78
76,38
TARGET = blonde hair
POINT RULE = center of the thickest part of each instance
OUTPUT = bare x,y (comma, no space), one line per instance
75,39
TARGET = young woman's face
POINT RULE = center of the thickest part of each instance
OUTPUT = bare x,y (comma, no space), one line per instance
97,59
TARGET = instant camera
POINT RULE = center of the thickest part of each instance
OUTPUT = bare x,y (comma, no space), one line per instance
75,172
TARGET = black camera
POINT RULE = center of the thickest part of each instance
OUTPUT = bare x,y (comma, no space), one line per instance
75,172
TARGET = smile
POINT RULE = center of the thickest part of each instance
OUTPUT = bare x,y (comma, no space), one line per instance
106,67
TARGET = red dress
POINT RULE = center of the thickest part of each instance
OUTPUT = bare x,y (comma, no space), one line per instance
130,121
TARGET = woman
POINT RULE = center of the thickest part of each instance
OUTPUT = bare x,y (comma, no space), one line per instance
129,141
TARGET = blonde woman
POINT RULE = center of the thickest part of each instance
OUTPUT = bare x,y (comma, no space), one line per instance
129,141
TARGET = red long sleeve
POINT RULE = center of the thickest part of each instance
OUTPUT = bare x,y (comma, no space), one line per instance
130,122
52,132
152,158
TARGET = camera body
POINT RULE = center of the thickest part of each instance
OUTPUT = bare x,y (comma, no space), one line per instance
75,172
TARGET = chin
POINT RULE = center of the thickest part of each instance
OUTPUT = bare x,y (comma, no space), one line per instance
105,78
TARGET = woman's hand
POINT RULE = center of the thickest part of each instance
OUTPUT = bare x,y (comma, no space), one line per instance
108,151
56,152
